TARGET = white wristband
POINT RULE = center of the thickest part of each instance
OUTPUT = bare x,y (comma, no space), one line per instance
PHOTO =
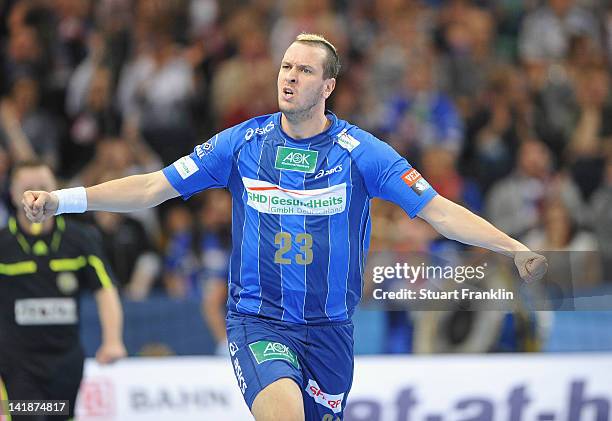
72,200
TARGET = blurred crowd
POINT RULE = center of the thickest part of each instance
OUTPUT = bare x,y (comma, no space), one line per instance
504,106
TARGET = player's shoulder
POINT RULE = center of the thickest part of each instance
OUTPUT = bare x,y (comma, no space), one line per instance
359,142
236,136
254,127
258,126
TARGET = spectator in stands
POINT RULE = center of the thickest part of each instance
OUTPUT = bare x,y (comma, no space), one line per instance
125,155
420,115
198,253
130,251
26,129
579,262
556,101
243,85
157,86
501,119
466,37
4,188
545,34
601,204
592,135
404,37
12,138
72,30
439,168
90,106
112,154
131,255
514,202
298,16
24,51
607,23
197,261
216,225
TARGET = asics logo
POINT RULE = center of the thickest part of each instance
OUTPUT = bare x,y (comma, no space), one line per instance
260,131
324,173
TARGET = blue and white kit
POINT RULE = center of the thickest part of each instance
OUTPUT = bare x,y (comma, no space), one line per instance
300,230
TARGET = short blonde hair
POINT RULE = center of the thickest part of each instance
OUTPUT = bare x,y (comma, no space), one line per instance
331,66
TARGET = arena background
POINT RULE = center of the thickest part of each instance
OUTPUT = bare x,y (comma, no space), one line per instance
504,106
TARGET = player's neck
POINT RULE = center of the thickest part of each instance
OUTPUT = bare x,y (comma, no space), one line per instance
305,128
27,227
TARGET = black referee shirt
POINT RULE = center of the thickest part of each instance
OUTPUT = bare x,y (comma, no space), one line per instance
40,280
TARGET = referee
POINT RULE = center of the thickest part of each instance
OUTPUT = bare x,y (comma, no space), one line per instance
43,268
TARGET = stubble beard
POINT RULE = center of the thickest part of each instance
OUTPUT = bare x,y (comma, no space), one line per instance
305,113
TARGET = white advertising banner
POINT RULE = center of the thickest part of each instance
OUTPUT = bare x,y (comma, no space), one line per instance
161,389
543,387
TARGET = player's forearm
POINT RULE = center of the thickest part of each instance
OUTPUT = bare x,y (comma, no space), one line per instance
130,194
457,223
111,315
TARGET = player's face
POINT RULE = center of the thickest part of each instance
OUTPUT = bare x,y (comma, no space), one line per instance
301,86
34,178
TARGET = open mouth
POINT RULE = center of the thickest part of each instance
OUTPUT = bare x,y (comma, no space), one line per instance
288,93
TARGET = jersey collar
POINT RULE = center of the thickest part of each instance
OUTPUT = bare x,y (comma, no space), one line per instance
38,246
334,128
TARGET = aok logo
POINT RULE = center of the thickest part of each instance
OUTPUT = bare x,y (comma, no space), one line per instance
295,159
276,348
266,350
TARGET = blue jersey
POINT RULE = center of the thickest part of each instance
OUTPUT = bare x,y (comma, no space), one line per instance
301,212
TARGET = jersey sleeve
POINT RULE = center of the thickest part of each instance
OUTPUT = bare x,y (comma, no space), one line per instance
208,166
390,177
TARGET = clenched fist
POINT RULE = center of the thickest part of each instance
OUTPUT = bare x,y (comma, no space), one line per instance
531,266
110,352
39,205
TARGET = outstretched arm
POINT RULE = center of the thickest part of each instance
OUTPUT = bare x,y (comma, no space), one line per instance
457,223
127,194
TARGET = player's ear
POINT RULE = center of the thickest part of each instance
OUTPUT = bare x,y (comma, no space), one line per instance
329,86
